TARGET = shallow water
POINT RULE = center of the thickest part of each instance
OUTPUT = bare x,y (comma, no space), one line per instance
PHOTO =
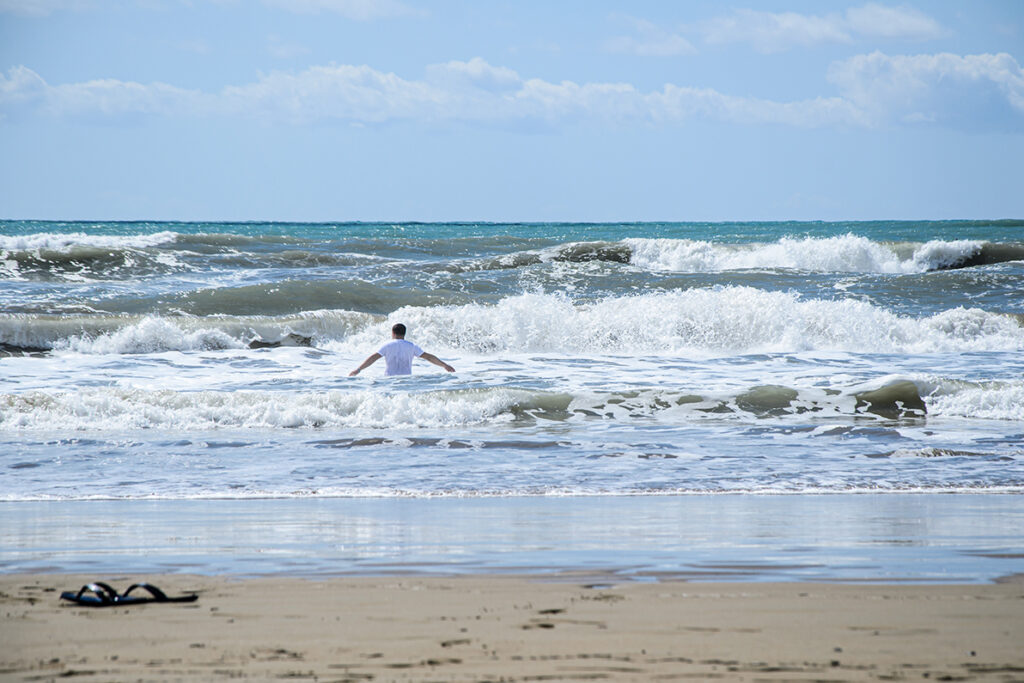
916,538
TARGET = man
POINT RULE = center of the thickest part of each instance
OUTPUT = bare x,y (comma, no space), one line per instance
398,354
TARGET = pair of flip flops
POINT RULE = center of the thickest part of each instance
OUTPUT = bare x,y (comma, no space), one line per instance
99,594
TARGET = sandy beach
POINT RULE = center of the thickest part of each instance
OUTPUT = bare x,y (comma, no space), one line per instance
491,628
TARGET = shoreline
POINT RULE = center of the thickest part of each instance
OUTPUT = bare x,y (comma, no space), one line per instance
501,627
856,538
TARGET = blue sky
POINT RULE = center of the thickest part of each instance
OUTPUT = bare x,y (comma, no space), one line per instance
335,110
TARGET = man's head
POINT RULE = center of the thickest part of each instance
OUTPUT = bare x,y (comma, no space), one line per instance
398,331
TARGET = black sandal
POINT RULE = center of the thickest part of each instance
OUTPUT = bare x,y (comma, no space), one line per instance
105,596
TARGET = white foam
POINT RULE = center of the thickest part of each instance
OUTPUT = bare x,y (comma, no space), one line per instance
716,405
939,254
712,321
845,253
64,242
986,401
106,334
118,408
151,335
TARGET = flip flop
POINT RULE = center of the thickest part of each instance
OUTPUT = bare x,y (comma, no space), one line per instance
105,596
155,595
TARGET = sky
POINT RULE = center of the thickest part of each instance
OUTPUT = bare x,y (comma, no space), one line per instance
487,110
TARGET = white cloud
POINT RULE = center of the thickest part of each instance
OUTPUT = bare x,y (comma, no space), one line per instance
770,32
649,40
21,85
676,103
358,10
97,98
775,32
109,97
961,91
568,102
893,22
476,73
973,92
332,92
477,91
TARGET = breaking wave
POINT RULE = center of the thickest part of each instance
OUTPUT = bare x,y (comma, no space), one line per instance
78,256
717,320
710,321
1001,400
119,408
81,256
66,242
122,408
843,254
113,334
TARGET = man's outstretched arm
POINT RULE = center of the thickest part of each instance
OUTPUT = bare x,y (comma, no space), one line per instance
370,360
436,361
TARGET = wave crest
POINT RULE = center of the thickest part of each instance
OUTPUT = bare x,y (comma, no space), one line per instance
120,408
116,334
66,242
842,254
717,320
698,321
128,408
979,400
78,256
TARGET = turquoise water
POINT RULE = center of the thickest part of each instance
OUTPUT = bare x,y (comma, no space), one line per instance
996,230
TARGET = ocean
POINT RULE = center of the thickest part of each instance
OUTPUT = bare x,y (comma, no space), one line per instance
634,366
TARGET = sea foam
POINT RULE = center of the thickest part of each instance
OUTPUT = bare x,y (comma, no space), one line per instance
78,257
125,407
988,401
151,335
714,320
700,321
131,334
118,408
841,254
63,242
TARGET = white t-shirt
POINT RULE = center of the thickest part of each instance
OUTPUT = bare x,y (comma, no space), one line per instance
398,353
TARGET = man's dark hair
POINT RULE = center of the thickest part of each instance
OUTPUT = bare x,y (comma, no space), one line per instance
398,330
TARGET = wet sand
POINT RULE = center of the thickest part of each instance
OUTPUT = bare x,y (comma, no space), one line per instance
513,628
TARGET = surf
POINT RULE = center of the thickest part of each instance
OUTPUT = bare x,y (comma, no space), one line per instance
716,320
840,254
98,409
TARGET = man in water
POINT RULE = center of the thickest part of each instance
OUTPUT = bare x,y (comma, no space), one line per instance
398,354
